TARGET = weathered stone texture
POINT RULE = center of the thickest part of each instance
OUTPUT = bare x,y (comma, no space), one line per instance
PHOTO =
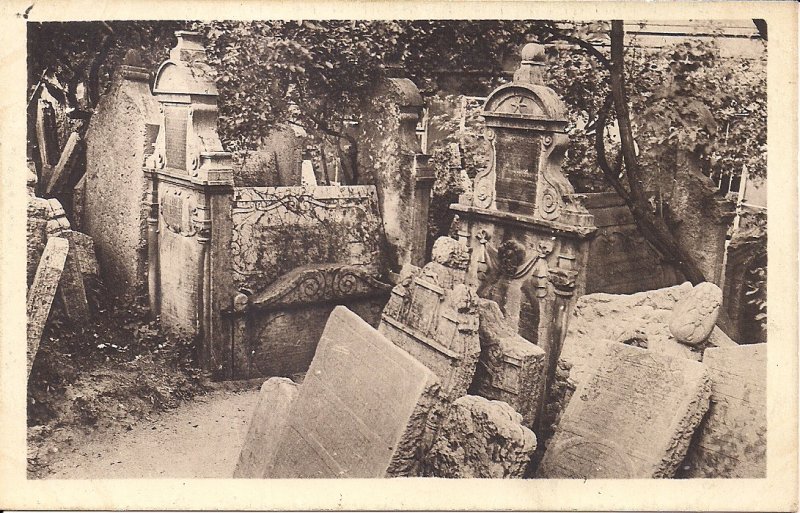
438,327
694,316
732,442
640,319
275,163
38,213
269,417
510,368
480,438
364,409
43,290
115,187
633,418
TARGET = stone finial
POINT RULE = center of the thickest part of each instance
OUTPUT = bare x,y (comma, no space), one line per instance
531,66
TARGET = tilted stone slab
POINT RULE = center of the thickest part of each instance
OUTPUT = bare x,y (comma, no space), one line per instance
438,327
633,418
43,290
71,290
269,417
732,441
480,438
362,410
510,368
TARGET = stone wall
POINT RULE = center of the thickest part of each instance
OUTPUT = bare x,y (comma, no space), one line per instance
114,213
620,260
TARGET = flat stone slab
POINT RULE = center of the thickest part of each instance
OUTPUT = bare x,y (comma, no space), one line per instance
269,417
480,438
633,418
362,409
732,441
43,290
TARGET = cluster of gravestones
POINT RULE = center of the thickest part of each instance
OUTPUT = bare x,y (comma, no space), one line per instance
62,267
445,388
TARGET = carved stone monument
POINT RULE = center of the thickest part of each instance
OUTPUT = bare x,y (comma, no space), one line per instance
733,438
43,290
363,410
633,418
526,227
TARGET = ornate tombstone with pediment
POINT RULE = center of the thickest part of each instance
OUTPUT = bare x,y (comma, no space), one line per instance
528,230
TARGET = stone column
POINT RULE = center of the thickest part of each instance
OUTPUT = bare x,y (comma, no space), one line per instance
527,228
191,182
390,156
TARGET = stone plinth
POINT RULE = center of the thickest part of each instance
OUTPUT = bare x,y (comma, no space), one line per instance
632,418
269,417
362,410
480,439
732,441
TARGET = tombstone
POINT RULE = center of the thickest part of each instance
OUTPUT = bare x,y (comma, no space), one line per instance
119,138
732,441
527,229
633,418
695,316
510,368
43,290
480,438
275,161
437,326
365,408
390,156
38,212
266,424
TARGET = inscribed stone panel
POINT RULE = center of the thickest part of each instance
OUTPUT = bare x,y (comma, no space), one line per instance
633,418
733,439
361,411
43,290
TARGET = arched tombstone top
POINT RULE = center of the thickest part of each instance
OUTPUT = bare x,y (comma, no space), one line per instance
186,71
407,91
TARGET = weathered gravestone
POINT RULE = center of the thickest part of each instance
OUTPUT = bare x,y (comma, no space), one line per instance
43,290
694,316
633,418
733,439
362,410
437,326
510,368
480,438
269,417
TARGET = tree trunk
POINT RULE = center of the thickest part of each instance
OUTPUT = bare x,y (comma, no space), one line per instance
653,228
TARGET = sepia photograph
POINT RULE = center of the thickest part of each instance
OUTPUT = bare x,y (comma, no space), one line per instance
325,247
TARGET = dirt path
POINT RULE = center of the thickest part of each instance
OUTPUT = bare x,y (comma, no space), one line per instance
200,439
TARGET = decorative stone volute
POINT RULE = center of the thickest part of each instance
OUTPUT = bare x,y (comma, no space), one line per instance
526,124
187,142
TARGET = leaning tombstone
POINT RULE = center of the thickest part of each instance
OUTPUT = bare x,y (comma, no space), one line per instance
365,409
269,417
633,418
42,292
480,438
732,441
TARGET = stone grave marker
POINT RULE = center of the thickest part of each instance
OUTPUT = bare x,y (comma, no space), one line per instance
362,410
633,418
71,291
480,438
43,290
269,417
438,327
732,442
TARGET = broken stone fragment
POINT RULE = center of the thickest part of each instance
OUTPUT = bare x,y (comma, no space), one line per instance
695,315
269,417
480,438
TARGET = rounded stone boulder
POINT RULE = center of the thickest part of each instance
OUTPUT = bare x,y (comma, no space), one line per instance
694,316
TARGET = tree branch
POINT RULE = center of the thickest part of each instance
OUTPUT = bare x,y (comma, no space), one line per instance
589,47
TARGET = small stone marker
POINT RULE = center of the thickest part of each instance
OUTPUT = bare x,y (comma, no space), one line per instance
510,368
694,316
732,441
633,418
269,417
480,438
43,290
362,410
438,327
